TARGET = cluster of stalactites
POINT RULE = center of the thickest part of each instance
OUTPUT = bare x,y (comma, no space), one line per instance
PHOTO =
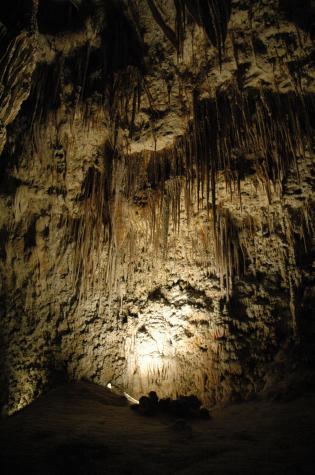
117,100
212,15
235,135
259,134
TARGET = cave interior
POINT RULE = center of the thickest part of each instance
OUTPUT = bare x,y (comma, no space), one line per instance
157,237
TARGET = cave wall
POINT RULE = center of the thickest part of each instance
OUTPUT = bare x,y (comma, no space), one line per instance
157,196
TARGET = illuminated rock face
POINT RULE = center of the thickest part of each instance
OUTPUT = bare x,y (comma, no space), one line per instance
157,199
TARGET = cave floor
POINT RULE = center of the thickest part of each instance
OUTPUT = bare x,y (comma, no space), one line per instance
82,428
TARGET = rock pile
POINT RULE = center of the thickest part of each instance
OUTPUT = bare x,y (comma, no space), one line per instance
182,407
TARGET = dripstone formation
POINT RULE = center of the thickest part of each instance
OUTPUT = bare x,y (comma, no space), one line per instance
156,196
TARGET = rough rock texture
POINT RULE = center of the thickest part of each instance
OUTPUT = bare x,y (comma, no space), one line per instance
157,196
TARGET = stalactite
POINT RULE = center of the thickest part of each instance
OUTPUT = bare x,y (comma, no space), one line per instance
234,134
297,234
224,132
228,253
16,65
169,33
213,16
92,230
180,26
124,99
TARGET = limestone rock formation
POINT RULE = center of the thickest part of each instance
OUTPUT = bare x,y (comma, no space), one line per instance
156,195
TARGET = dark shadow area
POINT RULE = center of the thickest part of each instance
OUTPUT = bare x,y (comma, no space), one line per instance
82,428
58,16
120,41
15,14
299,12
